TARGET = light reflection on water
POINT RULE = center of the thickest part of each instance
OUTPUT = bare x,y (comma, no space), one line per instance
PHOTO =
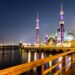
12,57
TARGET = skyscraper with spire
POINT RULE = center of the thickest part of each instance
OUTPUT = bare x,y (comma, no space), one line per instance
61,24
37,29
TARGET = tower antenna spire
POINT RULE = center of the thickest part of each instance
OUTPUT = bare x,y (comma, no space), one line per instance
37,14
61,6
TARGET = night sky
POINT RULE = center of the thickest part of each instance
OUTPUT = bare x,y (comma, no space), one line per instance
18,18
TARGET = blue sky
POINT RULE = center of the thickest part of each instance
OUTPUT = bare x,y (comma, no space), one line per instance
17,19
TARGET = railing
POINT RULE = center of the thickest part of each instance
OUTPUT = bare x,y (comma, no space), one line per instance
16,70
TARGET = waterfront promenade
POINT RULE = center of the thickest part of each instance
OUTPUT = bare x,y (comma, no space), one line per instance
68,53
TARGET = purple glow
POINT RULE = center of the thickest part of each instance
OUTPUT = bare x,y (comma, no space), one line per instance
62,17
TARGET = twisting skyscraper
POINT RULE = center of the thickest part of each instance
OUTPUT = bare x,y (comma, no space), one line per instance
37,29
61,25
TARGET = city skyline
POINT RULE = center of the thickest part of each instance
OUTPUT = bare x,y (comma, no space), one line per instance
18,19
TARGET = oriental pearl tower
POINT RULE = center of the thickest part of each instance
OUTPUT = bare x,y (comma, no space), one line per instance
61,25
37,29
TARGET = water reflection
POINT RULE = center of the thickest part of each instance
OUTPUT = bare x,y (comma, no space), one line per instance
11,57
